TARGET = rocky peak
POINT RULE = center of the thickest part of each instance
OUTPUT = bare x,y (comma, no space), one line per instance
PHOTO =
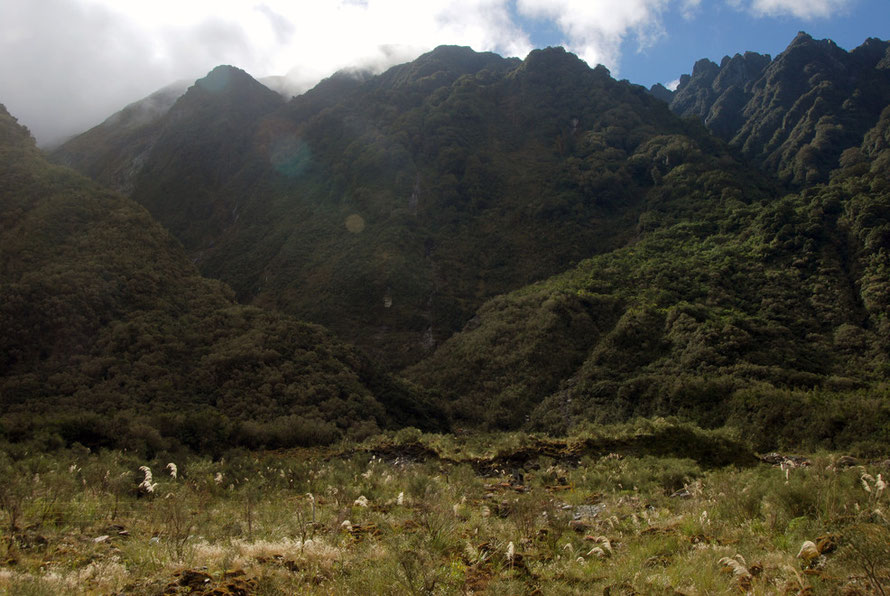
783,112
223,78
228,87
661,92
705,69
872,52
802,38
740,70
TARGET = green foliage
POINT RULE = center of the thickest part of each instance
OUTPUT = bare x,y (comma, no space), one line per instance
770,315
294,522
796,115
109,336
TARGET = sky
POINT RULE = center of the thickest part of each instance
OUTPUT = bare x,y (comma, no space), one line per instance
66,65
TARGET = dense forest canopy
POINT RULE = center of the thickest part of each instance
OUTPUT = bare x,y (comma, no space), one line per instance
520,244
111,337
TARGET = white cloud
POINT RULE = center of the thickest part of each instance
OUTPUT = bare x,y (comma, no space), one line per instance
596,29
67,64
311,39
689,9
673,84
77,61
803,9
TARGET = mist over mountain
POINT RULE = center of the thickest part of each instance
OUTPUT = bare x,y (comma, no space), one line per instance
541,245
125,137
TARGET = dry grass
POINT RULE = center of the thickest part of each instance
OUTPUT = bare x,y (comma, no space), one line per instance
76,523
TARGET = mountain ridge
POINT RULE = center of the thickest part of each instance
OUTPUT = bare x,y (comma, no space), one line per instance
794,114
541,245
410,154
111,338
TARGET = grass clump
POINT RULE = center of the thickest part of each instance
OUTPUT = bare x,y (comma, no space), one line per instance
350,520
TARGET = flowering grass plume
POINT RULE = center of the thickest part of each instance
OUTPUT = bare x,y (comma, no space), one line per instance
808,551
146,486
172,469
865,479
738,567
603,548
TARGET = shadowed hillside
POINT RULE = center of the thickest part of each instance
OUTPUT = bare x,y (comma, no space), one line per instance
389,208
111,337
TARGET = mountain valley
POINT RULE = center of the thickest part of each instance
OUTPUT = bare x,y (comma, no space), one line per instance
538,244
472,324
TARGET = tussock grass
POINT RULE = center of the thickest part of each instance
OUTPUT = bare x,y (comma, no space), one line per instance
472,519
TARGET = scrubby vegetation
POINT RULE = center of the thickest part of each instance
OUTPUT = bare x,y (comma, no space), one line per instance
419,514
162,433
109,336
732,311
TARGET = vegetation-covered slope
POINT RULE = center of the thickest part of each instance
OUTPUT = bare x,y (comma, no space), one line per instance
113,152
795,114
716,316
392,207
109,335
388,208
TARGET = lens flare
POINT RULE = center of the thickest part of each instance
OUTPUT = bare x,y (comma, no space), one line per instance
355,223
290,155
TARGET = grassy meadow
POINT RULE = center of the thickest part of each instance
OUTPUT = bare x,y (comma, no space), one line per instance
654,507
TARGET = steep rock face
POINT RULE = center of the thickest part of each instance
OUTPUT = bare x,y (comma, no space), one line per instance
795,114
102,312
694,94
661,92
718,95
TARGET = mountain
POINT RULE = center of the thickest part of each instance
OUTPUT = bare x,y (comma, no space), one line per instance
541,246
389,208
795,115
113,151
109,336
772,316
190,178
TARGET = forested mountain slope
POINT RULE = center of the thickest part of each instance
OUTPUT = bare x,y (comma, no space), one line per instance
390,207
740,283
796,114
108,334
773,315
